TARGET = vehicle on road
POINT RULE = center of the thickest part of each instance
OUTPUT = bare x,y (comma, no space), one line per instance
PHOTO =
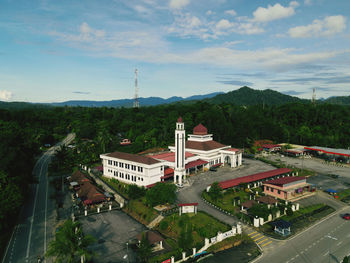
346,216
213,169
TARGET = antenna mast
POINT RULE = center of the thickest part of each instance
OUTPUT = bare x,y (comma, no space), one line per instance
136,96
313,96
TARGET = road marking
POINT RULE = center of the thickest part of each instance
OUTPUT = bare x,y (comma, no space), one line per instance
263,240
32,219
259,238
266,243
47,186
8,245
252,233
255,235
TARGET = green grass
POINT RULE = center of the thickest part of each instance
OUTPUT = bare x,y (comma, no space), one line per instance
138,209
300,219
204,226
226,201
344,194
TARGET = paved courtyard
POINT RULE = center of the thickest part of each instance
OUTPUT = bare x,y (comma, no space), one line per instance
112,230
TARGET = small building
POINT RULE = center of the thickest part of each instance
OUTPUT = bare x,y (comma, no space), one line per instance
282,227
287,188
271,147
268,200
125,142
154,239
187,208
248,204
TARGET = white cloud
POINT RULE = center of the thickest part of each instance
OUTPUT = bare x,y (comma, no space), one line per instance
5,95
328,26
224,24
187,25
277,11
231,12
178,4
307,2
209,13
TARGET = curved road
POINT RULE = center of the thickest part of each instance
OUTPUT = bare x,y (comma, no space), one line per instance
37,217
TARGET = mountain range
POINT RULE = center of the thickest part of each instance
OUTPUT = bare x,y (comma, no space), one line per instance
243,96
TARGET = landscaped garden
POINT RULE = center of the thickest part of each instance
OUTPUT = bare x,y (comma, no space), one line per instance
300,219
344,196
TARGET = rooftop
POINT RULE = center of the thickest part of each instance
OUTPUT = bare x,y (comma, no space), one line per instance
253,178
200,130
286,180
334,151
204,146
169,156
133,157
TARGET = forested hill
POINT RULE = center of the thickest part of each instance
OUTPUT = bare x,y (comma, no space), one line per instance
150,101
247,96
341,100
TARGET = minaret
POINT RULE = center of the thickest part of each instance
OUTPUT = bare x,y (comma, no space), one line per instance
180,171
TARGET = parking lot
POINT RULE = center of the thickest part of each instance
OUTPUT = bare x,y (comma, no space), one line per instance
113,230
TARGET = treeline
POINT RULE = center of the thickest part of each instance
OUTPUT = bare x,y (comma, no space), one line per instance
99,130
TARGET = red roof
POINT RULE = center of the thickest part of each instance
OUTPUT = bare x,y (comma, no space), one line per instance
151,185
188,204
195,163
179,119
168,171
232,150
286,180
325,151
200,130
269,146
253,178
204,146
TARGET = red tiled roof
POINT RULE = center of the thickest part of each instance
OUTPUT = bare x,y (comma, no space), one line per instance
249,203
168,171
195,163
286,180
204,146
200,130
179,119
188,204
267,199
252,178
133,157
232,150
152,237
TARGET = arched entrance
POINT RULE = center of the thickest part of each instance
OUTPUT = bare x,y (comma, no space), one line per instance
227,160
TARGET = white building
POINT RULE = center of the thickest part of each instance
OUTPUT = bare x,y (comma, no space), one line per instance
132,168
198,152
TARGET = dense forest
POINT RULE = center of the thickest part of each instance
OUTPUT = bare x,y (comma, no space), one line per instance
23,132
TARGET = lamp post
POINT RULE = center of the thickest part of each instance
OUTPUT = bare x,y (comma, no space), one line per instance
329,248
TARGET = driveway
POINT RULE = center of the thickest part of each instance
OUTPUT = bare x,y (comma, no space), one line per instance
199,182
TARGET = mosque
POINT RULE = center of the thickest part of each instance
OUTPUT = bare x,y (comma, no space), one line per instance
200,151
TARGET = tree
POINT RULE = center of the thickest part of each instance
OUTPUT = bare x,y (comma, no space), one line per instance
135,192
215,191
161,193
70,243
145,249
346,259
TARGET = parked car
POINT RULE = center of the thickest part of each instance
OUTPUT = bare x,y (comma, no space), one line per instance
213,169
346,216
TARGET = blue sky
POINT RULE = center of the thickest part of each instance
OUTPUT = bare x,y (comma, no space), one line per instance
87,50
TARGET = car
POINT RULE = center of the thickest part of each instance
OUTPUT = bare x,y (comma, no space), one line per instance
346,216
213,169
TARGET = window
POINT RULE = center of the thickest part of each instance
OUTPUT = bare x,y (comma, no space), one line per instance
278,191
109,162
141,179
267,188
161,168
121,165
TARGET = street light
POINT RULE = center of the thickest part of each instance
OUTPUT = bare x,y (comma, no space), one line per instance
127,252
329,248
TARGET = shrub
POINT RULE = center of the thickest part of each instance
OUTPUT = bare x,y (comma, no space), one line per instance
163,225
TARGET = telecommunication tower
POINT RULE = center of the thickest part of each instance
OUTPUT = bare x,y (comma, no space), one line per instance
313,96
136,96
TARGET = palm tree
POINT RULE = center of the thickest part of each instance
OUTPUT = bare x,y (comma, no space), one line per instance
69,243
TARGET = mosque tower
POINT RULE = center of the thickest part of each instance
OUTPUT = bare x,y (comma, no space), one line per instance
180,139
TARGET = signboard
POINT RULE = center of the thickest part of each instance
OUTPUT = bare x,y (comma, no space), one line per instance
187,209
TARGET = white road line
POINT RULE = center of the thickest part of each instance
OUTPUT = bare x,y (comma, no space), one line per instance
47,186
8,245
32,219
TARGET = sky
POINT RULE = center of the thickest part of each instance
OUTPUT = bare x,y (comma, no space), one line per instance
52,51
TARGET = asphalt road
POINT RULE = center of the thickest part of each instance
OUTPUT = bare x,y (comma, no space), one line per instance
36,220
314,244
